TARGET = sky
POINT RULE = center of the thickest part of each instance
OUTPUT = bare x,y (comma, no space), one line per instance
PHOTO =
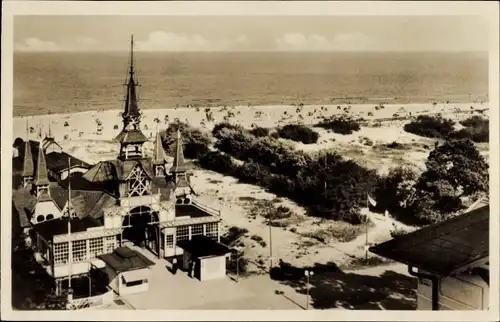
251,33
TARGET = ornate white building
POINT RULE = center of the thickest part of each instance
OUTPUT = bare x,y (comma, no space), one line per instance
132,198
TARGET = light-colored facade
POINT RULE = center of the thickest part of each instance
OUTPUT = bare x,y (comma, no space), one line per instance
466,291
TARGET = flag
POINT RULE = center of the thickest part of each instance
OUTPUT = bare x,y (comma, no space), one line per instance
371,201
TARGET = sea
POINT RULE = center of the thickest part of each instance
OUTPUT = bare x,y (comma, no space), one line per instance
64,82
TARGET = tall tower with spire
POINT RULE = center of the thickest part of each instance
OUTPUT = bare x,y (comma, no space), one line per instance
131,138
159,157
179,170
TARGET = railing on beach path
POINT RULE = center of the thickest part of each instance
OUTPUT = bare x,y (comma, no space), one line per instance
86,302
207,209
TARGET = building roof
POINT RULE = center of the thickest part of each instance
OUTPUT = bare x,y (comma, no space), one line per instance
444,248
55,161
51,228
60,161
113,170
131,136
131,106
23,203
202,246
124,259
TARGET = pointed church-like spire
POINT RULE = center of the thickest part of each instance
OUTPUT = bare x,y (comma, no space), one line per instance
159,154
42,176
179,165
131,105
28,166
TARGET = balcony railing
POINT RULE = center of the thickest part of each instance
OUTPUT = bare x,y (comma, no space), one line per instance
207,209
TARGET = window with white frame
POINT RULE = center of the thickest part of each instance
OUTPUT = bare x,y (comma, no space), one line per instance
79,248
61,252
96,246
110,244
169,241
182,233
211,230
197,230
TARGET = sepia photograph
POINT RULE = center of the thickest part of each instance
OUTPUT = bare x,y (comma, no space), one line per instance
307,162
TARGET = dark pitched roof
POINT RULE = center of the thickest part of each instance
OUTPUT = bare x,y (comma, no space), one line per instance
59,161
41,176
201,246
23,203
443,248
117,170
131,136
125,259
179,164
51,228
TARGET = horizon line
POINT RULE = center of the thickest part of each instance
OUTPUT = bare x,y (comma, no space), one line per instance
250,51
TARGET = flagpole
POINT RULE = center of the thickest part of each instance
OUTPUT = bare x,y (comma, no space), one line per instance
70,250
366,228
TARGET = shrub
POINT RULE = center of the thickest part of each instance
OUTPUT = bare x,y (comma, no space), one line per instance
260,131
259,240
196,143
397,231
298,133
431,127
233,235
475,121
341,125
225,125
476,129
218,162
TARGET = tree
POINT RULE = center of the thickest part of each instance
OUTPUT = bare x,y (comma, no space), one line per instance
395,191
455,170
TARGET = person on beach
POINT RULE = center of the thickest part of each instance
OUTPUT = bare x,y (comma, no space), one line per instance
190,269
193,265
174,266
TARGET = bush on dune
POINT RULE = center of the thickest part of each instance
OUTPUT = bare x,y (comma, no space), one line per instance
341,125
329,185
260,132
476,129
225,125
196,143
455,170
430,126
298,133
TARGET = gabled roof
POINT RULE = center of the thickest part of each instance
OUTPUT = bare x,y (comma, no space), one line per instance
59,161
117,170
41,176
124,259
444,248
131,136
23,203
179,164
